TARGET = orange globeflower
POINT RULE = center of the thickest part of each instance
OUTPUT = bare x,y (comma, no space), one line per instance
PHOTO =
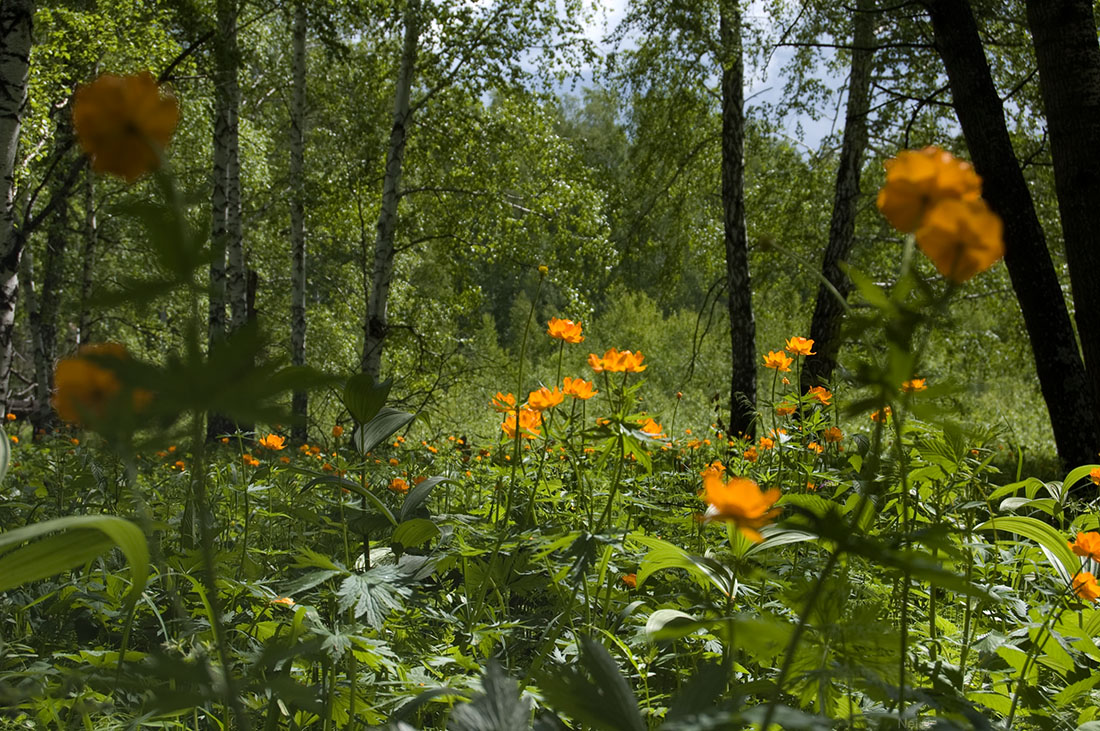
579,388
766,443
882,415
821,395
84,387
631,580
398,485
714,468
751,454
1087,545
249,460
504,402
614,361
741,502
800,346
595,362
11,416
1085,586
914,384
778,360
833,434
961,238
283,601
337,431
566,330
916,180
529,421
815,447
273,441
1094,475
544,398
124,123
653,429
786,409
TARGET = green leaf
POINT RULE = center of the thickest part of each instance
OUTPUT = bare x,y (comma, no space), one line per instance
381,427
364,398
603,701
80,539
5,454
414,532
664,555
372,595
499,708
416,496
1041,533
663,618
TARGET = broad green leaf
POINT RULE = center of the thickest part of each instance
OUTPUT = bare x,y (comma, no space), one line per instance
663,618
79,539
418,495
413,533
372,595
498,708
381,427
1041,533
364,398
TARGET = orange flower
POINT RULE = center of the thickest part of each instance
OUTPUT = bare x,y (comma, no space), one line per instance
916,180
337,431
273,441
631,580
14,439
778,360
1085,586
544,399
503,402
11,416
315,450
751,454
800,346
653,429
283,601
124,123
766,443
821,395
714,468
179,465
786,409
85,388
961,238
578,388
529,421
225,440
566,330
815,447
1094,475
614,361
284,459
812,487
833,434
882,415
74,441
740,501
326,467
1087,545
249,460
914,384
595,362
398,485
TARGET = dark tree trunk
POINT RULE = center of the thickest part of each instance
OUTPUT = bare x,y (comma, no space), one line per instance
300,399
384,252
16,18
738,285
87,257
1053,343
828,311
1064,35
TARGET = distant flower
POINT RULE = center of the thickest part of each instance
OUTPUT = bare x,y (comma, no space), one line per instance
394,461
616,361
326,467
566,330
653,429
225,440
833,434
283,601
741,502
786,409
337,431
714,468
544,270
1085,586
815,447
398,485
751,454
14,439
544,398
883,415
778,360
800,346
1094,475
812,487
249,460
821,395
11,416
124,123
179,465
504,402
579,388
74,441
85,387
916,180
529,421
1087,545
631,580
766,443
284,459
914,384
273,441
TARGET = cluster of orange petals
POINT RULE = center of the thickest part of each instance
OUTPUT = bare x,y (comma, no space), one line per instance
579,388
504,402
1085,586
821,395
124,123
937,196
800,346
741,502
544,399
87,388
249,460
1094,475
273,441
833,434
882,415
566,330
913,385
529,423
614,361
398,485
786,409
653,429
1087,545
778,360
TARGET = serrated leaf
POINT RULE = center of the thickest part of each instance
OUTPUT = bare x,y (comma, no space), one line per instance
498,707
603,700
373,595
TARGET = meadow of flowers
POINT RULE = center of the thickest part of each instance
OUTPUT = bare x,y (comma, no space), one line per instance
862,560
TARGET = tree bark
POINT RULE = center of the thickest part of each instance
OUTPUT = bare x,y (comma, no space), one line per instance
828,311
382,275
980,112
738,285
300,399
16,22
1064,35
87,257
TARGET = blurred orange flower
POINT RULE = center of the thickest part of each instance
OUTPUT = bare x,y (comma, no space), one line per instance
653,429
337,431
615,361
398,485
766,443
529,421
249,460
566,330
504,402
1085,586
961,238
273,441
544,398
914,384
815,447
916,180
800,346
751,454
786,409
741,502
631,580
124,123
579,388
821,395
882,415
85,388
1087,545
778,360
833,434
